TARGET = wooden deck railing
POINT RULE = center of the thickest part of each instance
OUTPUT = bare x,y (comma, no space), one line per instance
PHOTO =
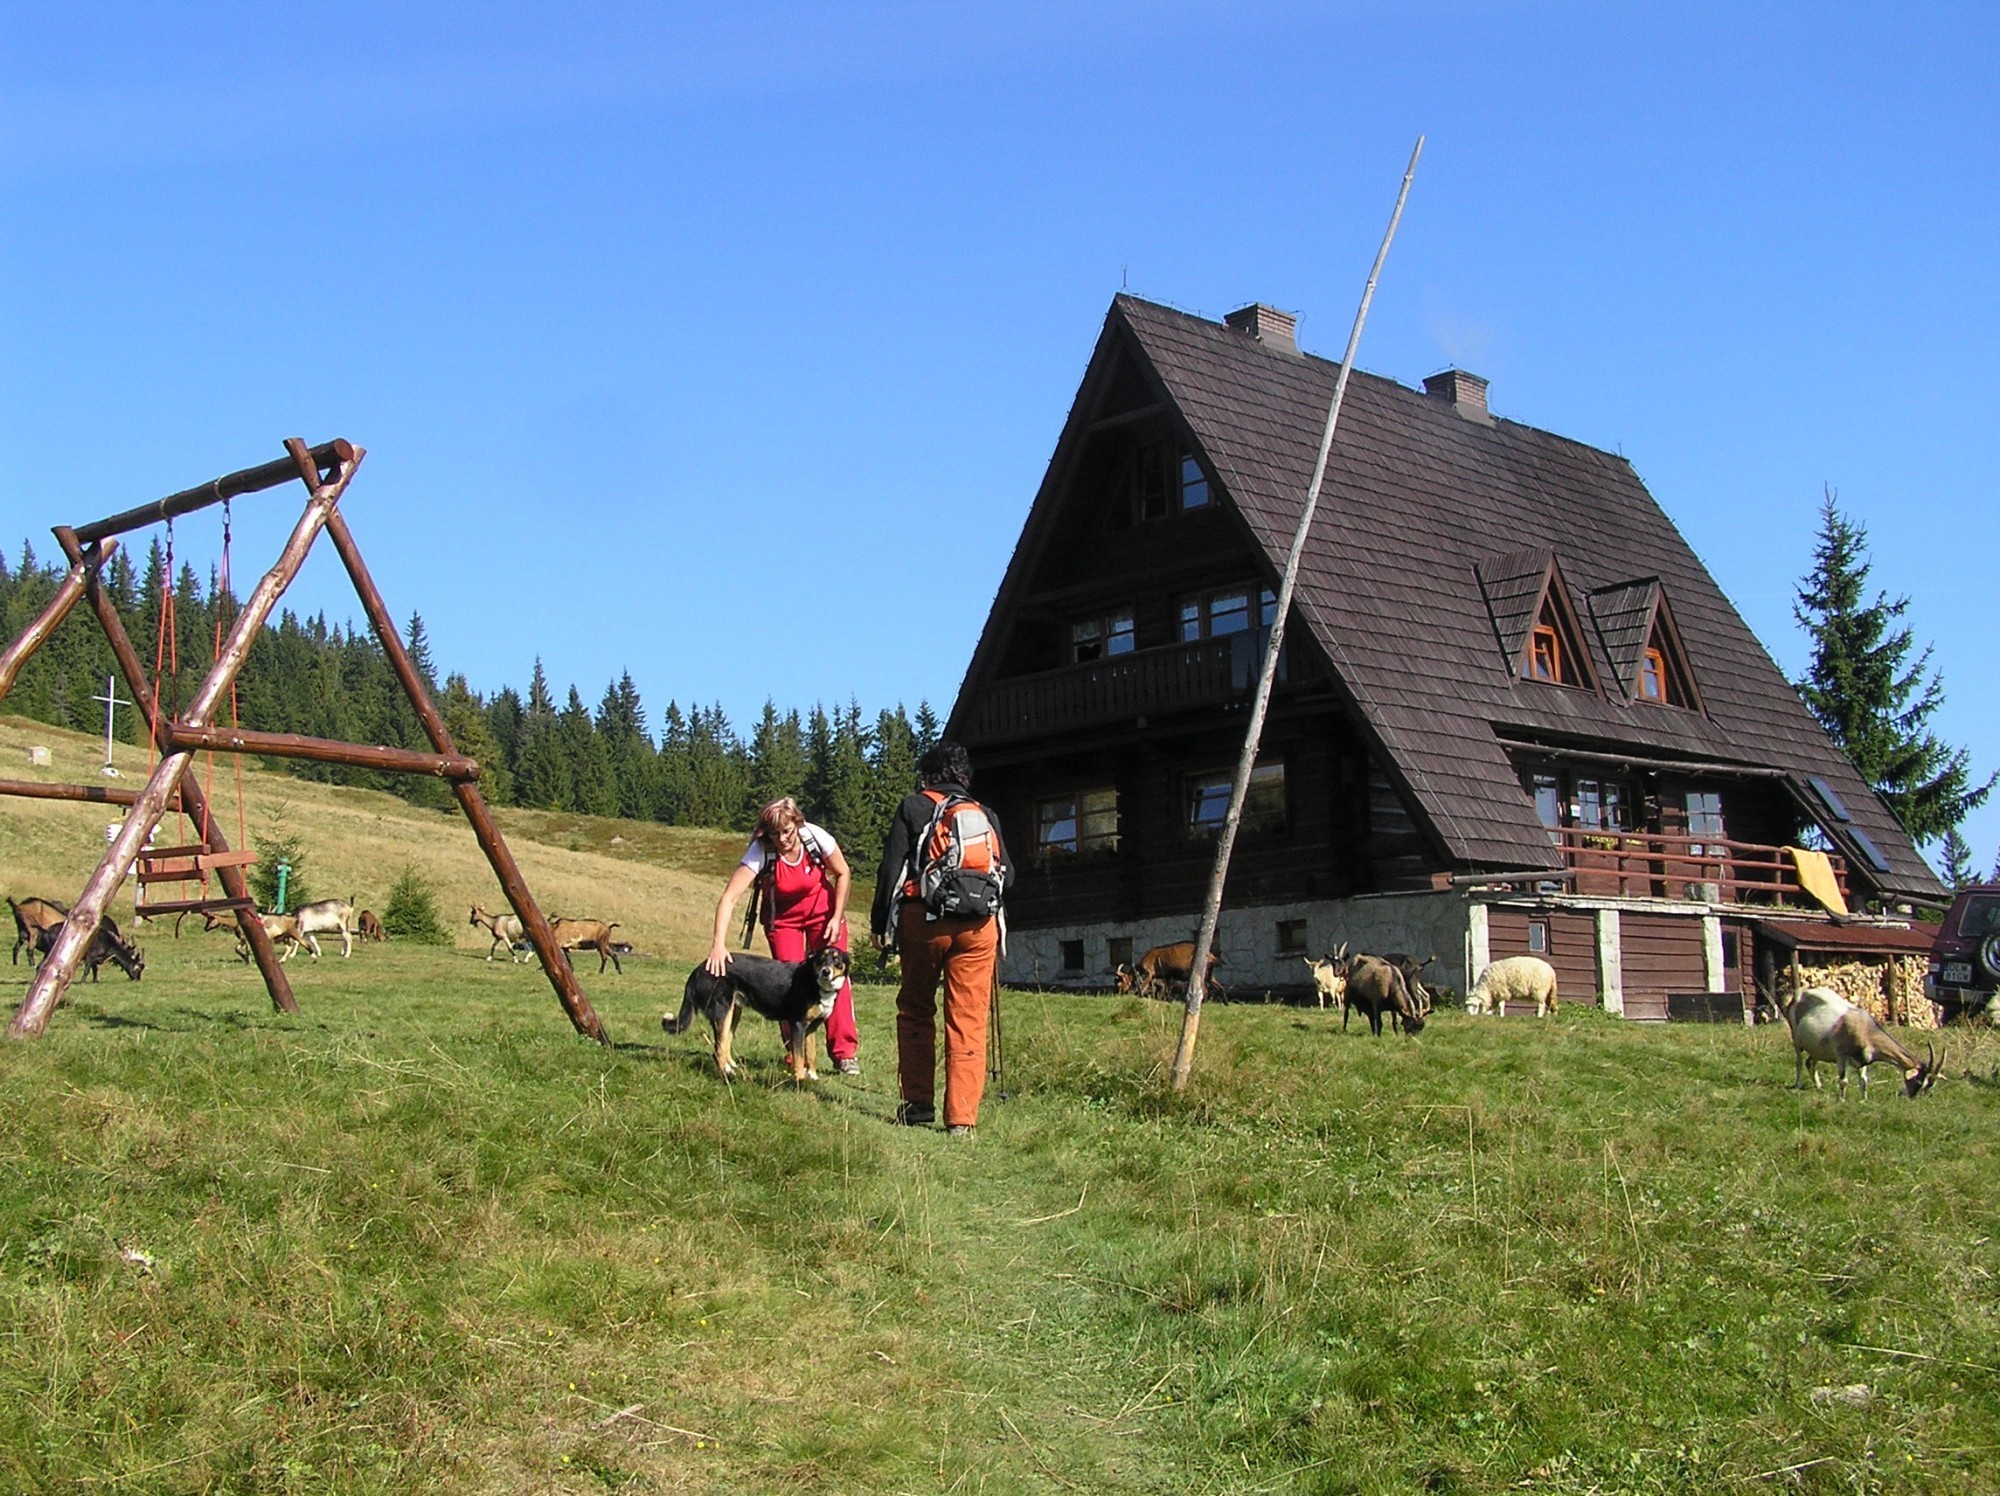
1108,690
1659,865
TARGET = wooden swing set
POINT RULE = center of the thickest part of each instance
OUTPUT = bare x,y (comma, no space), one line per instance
178,733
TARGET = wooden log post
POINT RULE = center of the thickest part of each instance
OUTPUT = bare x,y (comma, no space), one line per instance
534,924
56,973
1211,914
193,799
36,634
321,750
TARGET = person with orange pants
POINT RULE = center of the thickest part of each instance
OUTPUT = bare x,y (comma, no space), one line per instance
961,950
802,880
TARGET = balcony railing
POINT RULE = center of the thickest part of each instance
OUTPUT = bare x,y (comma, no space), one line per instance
1658,865
1149,681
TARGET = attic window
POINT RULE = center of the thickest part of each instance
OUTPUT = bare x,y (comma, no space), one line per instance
1552,652
1194,483
1166,480
1662,678
1225,612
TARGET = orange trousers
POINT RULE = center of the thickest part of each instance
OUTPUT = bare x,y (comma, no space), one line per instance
964,953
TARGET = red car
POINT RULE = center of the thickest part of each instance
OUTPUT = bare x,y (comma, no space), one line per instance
1965,958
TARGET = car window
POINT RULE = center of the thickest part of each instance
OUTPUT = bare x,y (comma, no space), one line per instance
1981,917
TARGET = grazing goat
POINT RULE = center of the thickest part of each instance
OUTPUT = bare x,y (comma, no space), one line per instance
1376,987
506,931
31,917
282,928
108,944
591,935
1329,975
326,917
1164,964
1519,979
1413,972
369,926
1825,1026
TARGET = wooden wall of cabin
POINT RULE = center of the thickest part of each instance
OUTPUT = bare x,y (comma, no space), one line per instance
1568,942
1659,954
1346,832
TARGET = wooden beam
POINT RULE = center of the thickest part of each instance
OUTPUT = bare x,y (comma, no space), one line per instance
45,623
327,457
321,750
95,794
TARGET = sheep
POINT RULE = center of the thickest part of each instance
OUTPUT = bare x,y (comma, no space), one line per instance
590,935
1825,1026
1520,979
506,930
1376,987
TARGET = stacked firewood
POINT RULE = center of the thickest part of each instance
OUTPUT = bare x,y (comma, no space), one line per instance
1891,989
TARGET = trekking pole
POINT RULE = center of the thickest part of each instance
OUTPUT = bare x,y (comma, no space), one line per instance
996,1041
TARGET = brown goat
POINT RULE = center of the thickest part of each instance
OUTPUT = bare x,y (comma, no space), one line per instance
590,935
1376,987
31,917
1163,964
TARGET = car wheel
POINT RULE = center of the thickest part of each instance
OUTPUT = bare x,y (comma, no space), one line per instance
1989,955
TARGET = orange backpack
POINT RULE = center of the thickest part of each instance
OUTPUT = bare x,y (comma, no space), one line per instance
956,862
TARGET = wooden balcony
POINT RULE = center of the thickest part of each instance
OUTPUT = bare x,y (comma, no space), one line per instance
1701,869
1148,682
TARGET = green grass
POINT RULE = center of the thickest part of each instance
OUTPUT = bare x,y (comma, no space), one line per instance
420,1237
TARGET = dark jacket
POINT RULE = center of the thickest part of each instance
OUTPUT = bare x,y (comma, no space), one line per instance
905,831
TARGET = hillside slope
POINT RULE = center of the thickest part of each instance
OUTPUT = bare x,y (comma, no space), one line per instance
658,882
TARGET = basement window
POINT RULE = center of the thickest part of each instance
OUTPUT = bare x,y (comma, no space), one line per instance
1118,952
1291,937
1072,955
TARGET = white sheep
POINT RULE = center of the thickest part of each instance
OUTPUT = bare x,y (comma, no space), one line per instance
1521,979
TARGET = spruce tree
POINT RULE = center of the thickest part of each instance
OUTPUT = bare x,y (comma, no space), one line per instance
1958,869
1867,694
777,758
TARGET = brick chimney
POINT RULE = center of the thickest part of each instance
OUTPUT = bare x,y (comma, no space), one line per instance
1465,392
1268,325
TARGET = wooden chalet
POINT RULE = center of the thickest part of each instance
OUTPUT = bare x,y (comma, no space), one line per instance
1514,714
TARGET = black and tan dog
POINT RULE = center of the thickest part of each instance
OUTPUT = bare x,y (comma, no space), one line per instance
799,993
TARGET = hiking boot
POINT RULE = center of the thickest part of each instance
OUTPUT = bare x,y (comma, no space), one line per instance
916,1114
958,1130
848,1066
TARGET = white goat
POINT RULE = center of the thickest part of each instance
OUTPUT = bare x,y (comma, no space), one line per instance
282,928
1521,979
326,917
506,930
1826,1026
1329,975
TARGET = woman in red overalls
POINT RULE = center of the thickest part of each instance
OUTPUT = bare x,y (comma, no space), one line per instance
802,882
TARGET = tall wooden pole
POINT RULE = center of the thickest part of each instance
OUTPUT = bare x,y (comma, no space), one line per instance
1253,735
54,977
534,924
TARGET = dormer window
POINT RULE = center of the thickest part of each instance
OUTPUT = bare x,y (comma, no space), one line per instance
1653,677
1194,483
1552,655
1662,677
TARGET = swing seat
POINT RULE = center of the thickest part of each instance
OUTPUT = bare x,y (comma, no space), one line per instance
180,865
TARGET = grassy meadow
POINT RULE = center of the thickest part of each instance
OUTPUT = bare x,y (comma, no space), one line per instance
421,1237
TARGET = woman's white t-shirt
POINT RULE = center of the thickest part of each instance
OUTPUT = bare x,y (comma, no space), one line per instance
812,839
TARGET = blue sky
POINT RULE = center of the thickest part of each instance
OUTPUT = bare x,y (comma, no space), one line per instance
644,312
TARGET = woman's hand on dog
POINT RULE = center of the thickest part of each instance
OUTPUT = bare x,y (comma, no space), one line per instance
717,963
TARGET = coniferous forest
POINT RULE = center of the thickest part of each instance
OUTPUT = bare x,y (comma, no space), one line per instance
307,676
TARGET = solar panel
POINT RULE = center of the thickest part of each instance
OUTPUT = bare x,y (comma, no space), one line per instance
1868,849
1835,806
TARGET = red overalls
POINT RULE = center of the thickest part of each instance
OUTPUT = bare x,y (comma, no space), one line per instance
795,910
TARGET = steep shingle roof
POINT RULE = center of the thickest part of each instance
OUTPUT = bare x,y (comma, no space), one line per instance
1416,500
